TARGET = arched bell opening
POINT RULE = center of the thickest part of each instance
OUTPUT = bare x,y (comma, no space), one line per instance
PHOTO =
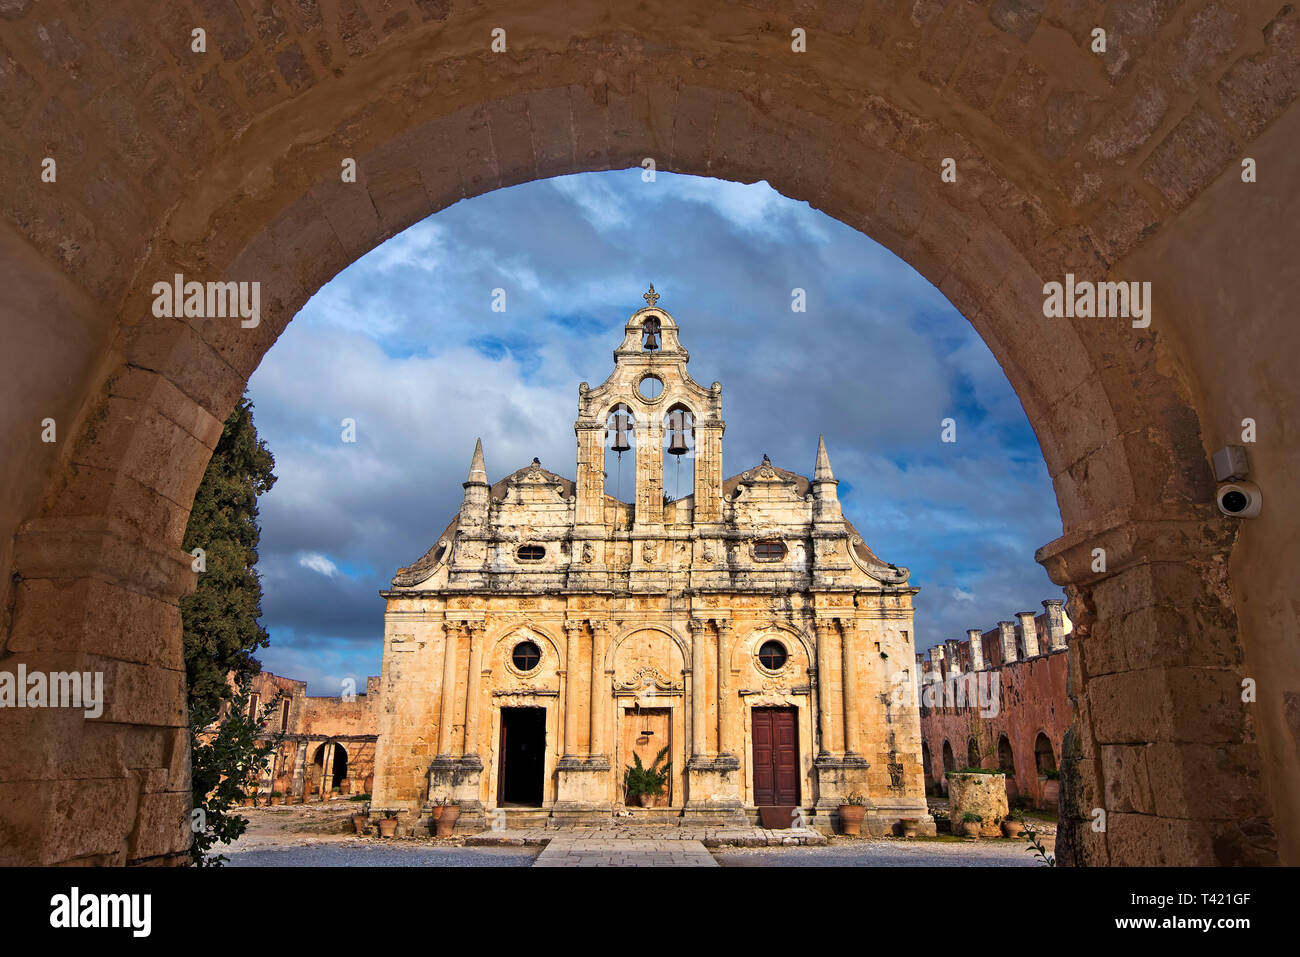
679,453
620,452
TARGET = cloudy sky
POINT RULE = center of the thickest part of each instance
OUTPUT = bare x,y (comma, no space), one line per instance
406,343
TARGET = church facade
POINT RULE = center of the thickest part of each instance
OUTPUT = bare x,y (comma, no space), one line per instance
743,634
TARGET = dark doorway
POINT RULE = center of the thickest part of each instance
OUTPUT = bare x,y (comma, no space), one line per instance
776,757
523,756
340,767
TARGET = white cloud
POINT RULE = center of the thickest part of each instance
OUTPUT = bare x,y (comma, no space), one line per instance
318,563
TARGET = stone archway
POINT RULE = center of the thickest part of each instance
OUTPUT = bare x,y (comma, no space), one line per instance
227,167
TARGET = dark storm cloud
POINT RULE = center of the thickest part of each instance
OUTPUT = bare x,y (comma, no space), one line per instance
405,342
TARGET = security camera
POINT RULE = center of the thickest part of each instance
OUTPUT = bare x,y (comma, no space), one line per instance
1240,499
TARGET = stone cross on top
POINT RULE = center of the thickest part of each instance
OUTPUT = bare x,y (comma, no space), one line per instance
651,297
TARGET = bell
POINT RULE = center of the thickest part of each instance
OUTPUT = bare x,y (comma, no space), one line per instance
620,432
677,434
650,328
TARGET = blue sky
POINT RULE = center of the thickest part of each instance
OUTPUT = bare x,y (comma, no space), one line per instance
405,342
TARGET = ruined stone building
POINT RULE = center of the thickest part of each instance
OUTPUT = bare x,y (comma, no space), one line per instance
553,631
998,700
326,744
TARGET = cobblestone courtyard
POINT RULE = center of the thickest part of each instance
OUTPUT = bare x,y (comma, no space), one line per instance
313,836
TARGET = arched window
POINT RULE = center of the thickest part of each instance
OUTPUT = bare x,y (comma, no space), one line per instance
679,454
1044,759
948,763
1006,760
620,437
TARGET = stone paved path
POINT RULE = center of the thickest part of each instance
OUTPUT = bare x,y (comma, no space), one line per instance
606,849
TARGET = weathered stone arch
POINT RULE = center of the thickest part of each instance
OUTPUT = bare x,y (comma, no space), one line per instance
220,168
743,650
611,653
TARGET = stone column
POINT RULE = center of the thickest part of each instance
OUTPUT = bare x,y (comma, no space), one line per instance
976,639
448,713
699,690
825,726
954,654
476,630
1007,634
1055,624
1029,632
849,686
572,634
599,692
327,771
724,694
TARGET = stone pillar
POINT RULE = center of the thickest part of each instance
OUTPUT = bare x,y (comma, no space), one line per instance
451,629
849,687
472,692
1007,635
590,491
725,743
1029,633
1055,624
953,647
582,784
699,688
708,471
600,692
327,771
572,636
975,637
649,471
1158,679
824,726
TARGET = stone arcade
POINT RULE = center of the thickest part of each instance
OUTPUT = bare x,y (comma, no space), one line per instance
553,631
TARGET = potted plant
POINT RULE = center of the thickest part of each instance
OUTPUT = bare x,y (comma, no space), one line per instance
277,797
643,784
971,824
446,811
852,811
388,824
360,819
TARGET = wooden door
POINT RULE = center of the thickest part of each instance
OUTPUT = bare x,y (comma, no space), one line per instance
646,732
776,757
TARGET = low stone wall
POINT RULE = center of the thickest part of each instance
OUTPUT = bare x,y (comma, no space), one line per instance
982,794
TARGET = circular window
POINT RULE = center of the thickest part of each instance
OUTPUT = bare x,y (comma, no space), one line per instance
526,655
773,655
651,387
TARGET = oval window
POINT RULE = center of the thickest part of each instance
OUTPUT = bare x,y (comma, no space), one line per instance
530,553
773,655
526,655
651,387
768,551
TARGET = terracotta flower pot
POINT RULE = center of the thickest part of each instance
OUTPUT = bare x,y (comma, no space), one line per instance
359,822
776,817
969,828
851,816
1011,828
447,820
387,826
646,799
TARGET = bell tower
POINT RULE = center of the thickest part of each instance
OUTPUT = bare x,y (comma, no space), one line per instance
649,384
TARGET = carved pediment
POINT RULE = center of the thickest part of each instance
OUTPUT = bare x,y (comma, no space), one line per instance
647,678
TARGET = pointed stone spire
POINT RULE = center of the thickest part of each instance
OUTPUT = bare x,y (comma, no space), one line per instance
477,469
823,473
